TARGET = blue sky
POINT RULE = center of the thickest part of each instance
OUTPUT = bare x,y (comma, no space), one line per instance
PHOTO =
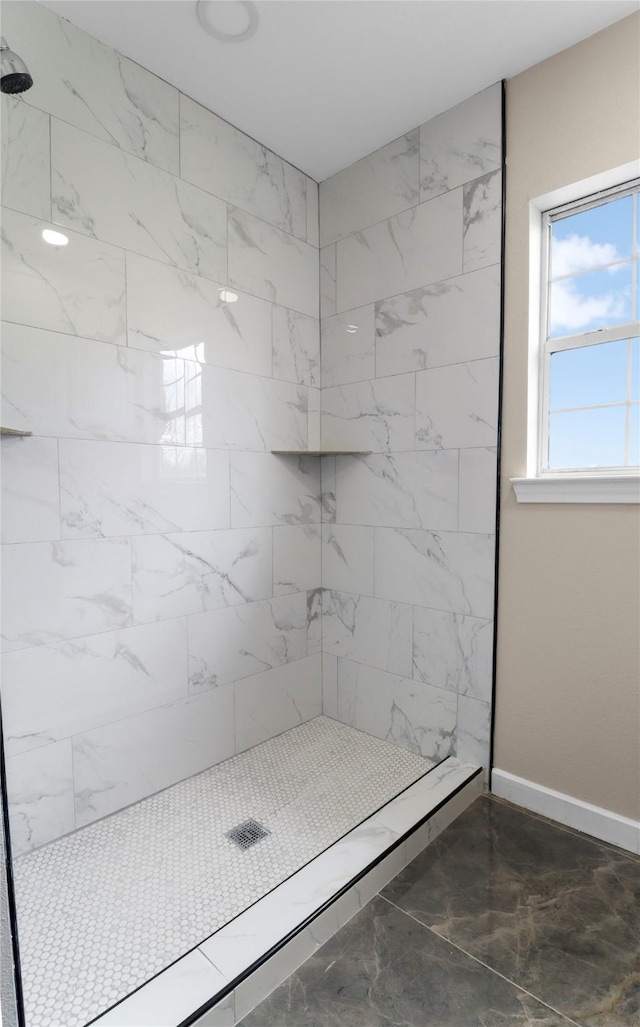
583,300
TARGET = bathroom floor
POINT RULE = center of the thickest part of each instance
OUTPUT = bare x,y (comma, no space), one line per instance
506,919
104,909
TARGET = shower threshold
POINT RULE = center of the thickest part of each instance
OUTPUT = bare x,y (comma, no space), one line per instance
112,918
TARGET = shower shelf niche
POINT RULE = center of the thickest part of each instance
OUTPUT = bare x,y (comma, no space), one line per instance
320,452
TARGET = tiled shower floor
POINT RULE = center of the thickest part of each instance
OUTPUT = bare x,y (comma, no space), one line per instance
103,910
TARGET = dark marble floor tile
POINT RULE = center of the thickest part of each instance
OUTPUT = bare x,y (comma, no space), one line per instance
384,968
553,911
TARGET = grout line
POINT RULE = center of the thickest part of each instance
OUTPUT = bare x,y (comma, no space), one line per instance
73,784
458,485
50,168
415,411
459,948
180,134
59,476
158,353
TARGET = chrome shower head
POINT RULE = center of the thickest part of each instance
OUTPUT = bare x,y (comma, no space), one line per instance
14,74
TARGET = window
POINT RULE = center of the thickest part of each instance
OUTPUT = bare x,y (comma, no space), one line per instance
590,374
584,366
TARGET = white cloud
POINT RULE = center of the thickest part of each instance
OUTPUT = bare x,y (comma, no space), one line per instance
578,252
573,311
572,308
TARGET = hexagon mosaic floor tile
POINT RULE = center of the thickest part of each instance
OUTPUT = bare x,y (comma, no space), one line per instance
104,909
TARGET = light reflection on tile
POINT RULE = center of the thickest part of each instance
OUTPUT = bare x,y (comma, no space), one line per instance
95,186
78,289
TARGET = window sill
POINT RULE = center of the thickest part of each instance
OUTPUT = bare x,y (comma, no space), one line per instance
583,488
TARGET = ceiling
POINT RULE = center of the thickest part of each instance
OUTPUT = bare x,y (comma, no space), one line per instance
325,82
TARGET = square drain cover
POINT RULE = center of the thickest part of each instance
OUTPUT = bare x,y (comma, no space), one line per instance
247,834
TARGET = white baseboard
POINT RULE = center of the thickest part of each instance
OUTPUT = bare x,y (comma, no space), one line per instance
593,820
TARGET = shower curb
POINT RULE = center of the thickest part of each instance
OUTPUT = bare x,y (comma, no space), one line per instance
220,982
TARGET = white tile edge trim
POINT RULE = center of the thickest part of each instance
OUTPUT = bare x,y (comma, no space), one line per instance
293,953
582,816
580,488
293,950
241,944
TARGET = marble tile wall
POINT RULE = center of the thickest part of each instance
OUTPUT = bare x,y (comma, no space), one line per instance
161,569
410,309
172,592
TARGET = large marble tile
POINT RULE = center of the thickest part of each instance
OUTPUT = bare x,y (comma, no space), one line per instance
347,558
330,685
296,347
276,700
408,713
401,490
372,631
249,412
88,84
384,183
110,195
483,221
314,621
328,484
59,385
78,289
221,1015
375,415
477,497
172,996
56,590
181,314
111,488
235,642
348,347
313,215
453,651
457,406
410,250
552,910
219,158
269,489
474,730
447,323
328,280
462,143
26,166
50,692
444,570
314,418
30,502
383,967
271,263
297,553
40,794
191,572
122,762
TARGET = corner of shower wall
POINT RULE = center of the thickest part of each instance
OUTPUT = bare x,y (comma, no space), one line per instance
161,567
411,251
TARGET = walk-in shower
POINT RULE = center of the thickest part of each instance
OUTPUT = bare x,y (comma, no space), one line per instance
248,551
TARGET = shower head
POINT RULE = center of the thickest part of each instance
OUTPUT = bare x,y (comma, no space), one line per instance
14,74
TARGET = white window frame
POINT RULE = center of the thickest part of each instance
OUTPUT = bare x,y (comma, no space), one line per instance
611,485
